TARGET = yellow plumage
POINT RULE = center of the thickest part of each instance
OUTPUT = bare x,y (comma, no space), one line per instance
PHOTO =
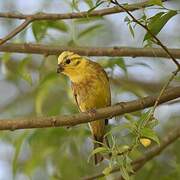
90,87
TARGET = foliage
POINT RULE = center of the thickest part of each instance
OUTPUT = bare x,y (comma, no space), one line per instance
62,153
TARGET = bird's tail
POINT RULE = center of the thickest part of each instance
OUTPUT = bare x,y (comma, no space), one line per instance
98,132
98,157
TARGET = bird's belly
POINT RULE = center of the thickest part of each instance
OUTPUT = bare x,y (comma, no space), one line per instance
92,98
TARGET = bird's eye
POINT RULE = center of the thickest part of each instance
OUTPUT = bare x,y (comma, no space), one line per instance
67,61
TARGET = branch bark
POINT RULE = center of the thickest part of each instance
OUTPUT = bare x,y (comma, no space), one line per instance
50,16
84,14
155,151
88,51
16,31
119,109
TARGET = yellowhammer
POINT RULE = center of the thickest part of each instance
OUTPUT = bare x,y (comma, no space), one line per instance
90,87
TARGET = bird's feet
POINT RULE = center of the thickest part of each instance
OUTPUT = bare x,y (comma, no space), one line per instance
92,112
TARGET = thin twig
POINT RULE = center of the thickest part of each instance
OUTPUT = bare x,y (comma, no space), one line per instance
16,31
150,115
164,88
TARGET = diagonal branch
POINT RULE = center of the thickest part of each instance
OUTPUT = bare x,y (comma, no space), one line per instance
119,109
161,93
88,51
140,162
16,31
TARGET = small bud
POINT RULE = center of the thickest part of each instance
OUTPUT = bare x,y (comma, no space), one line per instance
145,142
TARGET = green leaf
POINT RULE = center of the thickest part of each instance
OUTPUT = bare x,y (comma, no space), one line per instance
124,173
150,134
22,70
158,22
43,92
75,5
58,25
153,123
90,30
120,62
143,118
155,2
89,3
39,29
126,19
6,57
155,18
99,150
18,144
98,3
117,61
27,77
129,117
107,171
131,30
129,164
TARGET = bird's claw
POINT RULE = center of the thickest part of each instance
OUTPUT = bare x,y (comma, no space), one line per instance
92,112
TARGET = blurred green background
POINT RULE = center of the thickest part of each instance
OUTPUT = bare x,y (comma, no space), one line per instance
30,87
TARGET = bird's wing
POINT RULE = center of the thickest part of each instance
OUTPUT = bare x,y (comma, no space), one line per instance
109,100
75,95
109,103
101,70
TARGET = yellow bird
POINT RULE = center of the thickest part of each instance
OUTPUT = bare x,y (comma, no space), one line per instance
91,89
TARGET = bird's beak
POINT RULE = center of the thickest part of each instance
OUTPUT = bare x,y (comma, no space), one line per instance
60,68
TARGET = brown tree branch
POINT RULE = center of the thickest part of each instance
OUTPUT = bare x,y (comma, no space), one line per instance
150,154
84,14
50,16
119,109
16,31
88,51
47,16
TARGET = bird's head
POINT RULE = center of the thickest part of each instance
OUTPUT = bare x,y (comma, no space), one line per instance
72,65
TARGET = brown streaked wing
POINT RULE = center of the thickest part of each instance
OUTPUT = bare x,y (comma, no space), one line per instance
75,95
100,68
107,78
104,72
